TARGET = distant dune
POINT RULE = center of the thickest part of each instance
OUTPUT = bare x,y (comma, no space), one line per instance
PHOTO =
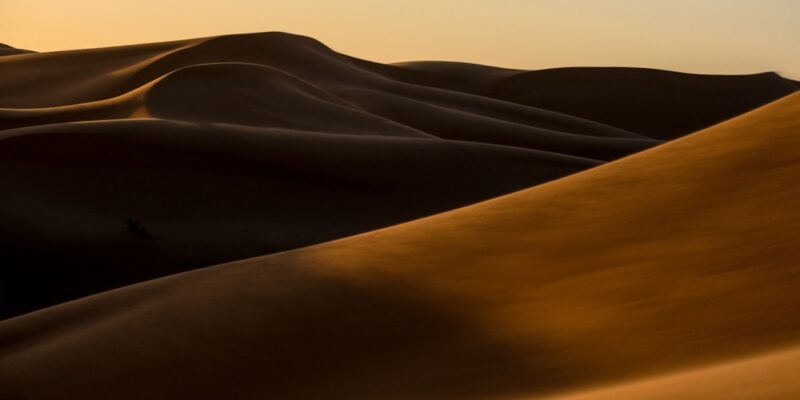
237,146
424,230
6,50
654,103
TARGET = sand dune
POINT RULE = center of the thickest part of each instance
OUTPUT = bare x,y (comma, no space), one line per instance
669,273
678,257
654,103
766,377
298,61
6,50
214,193
236,146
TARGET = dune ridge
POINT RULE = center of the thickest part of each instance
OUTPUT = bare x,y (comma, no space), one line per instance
260,143
646,101
6,50
687,259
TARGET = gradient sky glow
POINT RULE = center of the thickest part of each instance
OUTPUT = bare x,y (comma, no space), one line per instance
704,36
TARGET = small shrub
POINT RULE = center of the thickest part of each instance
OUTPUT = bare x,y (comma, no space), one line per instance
137,229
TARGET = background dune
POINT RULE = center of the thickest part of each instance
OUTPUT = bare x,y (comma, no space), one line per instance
236,146
678,257
6,50
654,103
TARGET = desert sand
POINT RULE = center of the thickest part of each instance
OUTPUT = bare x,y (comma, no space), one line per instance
770,376
621,266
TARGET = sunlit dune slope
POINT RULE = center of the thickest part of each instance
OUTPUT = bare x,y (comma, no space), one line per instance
673,258
766,377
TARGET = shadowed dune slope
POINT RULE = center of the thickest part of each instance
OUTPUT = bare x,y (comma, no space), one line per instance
654,103
210,193
642,100
255,95
307,80
6,50
677,257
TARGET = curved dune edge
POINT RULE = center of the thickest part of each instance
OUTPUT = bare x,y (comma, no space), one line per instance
665,260
211,193
6,50
767,377
672,226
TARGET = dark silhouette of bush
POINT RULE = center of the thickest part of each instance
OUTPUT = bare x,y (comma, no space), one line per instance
136,229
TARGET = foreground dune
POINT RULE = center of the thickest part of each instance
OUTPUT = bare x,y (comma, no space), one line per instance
767,377
237,146
678,257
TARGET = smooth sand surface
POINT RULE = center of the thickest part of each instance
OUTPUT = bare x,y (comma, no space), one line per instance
215,193
237,146
6,50
654,103
766,377
674,259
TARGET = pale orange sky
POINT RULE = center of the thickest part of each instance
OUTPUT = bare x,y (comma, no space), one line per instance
704,36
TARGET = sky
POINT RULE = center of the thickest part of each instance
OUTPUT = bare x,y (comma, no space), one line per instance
701,36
